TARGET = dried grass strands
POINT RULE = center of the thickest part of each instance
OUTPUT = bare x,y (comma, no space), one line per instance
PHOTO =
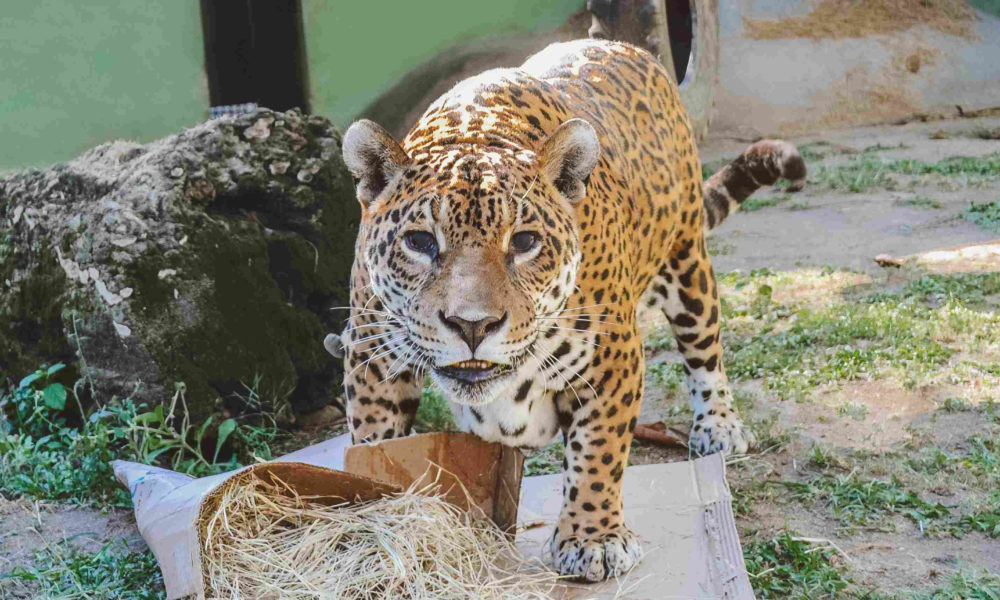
264,542
834,19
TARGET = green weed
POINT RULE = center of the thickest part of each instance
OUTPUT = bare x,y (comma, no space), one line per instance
44,456
965,585
985,214
545,461
969,288
68,573
845,342
667,375
954,405
857,501
920,202
823,458
855,410
988,165
661,338
867,171
881,147
977,463
789,567
812,152
930,461
752,204
987,523
857,176
434,413
982,458
769,436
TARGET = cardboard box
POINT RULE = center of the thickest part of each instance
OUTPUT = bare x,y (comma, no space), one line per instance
681,511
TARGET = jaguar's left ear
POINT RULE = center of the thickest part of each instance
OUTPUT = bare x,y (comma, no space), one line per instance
569,157
373,157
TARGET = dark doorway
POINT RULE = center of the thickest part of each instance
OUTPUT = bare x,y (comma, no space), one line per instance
254,52
680,26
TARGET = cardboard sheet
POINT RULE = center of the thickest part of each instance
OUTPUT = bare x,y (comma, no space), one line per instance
681,511
683,515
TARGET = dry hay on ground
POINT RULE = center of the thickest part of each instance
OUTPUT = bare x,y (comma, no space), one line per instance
264,542
835,19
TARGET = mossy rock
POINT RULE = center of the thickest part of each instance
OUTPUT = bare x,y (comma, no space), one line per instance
212,258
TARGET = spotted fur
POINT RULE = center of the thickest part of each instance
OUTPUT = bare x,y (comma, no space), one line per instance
585,151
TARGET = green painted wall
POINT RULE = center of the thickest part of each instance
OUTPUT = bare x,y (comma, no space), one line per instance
356,50
76,73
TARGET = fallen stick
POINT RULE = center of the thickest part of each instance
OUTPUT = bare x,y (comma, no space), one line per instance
657,433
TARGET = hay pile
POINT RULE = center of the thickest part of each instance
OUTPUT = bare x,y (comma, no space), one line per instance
834,19
264,542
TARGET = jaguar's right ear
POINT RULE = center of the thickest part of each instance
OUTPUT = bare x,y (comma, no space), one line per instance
373,157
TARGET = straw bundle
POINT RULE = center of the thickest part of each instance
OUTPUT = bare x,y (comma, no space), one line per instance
264,542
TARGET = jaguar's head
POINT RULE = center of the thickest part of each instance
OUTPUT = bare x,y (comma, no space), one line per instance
472,250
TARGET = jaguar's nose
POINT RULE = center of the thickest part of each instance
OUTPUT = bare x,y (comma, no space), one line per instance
472,332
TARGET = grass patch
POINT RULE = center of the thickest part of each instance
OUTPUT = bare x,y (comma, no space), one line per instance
975,464
857,411
752,204
788,567
545,461
846,342
969,288
920,202
965,585
857,501
774,328
982,458
987,523
859,175
985,214
669,376
955,405
816,151
867,171
880,147
768,434
65,572
821,457
988,165
44,455
434,414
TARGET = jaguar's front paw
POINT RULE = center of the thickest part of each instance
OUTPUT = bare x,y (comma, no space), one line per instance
596,558
721,431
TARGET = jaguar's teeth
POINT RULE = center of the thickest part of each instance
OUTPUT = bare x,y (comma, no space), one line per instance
474,364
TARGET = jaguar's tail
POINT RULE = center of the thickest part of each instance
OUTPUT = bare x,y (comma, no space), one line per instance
761,164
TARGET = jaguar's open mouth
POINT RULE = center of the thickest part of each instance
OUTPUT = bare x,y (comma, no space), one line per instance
474,371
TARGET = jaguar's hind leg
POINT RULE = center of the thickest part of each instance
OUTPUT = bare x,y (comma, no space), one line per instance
686,291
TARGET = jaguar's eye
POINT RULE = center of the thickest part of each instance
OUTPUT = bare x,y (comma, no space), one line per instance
422,242
523,241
